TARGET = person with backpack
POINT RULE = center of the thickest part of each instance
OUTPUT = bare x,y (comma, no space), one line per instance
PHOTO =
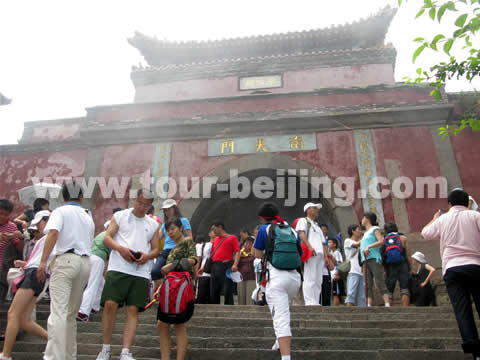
397,262
279,247
170,210
312,236
371,257
182,261
225,252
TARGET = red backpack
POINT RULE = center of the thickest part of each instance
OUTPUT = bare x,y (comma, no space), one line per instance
176,298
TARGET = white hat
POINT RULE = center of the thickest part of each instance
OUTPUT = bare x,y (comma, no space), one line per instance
419,257
167,204
38,217
310,205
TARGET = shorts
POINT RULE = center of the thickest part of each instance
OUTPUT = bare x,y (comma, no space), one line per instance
397,272
30,281
338,288
125,289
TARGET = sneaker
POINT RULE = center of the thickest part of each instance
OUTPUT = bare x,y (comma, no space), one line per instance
104,355
81,317
276,346
93,311
127,356
4,357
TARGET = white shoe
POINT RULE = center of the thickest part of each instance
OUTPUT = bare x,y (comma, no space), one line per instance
4,357
104,355
126,356
276,346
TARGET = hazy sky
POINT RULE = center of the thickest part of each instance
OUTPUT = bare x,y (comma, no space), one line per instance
58,57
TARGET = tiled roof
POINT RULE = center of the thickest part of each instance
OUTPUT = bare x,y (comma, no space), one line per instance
263,64
365,33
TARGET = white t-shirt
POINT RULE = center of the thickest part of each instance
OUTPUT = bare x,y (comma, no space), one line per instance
355,267
204,254
135,234
36,255
315,234
75,229
338,256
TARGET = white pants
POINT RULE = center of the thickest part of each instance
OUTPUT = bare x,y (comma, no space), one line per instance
282,287
93,292
312,279
69,277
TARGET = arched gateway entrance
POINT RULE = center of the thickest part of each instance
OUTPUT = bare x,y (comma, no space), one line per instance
242,212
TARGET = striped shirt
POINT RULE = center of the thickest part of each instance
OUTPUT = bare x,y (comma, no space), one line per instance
7,228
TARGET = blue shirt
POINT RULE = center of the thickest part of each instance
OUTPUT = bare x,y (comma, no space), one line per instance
369,238
169,243
262,236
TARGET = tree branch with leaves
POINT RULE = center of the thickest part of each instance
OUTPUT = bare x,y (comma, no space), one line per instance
467,25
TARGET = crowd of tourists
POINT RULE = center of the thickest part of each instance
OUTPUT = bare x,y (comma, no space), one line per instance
139,259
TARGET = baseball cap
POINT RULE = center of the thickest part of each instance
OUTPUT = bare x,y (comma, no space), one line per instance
310,205
169,203
38,217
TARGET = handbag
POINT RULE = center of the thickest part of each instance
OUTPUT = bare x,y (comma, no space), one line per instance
14,276
208,263
345,267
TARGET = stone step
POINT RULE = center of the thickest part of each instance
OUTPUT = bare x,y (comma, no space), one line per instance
326,342
215,331
146,346
253,321
296,309
152,316
242,354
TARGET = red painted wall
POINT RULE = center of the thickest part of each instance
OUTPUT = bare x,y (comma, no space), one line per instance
16,171
336,157
415,152
259,104
465,147
190,159
120,161
293,81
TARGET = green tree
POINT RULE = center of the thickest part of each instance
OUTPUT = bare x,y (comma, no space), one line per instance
466,26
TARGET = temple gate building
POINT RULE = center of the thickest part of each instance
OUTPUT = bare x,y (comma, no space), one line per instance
321,103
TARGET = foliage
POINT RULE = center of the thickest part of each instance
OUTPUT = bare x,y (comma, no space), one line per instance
467,25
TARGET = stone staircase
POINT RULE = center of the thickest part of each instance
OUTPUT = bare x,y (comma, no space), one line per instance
245,332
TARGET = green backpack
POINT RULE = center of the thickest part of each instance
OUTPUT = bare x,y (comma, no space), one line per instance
283,249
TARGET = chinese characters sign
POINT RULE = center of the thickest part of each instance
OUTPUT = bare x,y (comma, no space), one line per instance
260,82
262,144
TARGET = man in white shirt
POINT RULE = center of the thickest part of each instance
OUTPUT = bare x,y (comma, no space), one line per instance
133,238
312,236
69,232
355,282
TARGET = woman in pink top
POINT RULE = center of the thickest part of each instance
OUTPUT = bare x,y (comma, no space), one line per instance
459,233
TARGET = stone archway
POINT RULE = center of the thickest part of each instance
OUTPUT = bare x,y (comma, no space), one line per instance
201,211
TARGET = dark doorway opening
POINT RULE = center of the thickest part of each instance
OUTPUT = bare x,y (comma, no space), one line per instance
238,213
